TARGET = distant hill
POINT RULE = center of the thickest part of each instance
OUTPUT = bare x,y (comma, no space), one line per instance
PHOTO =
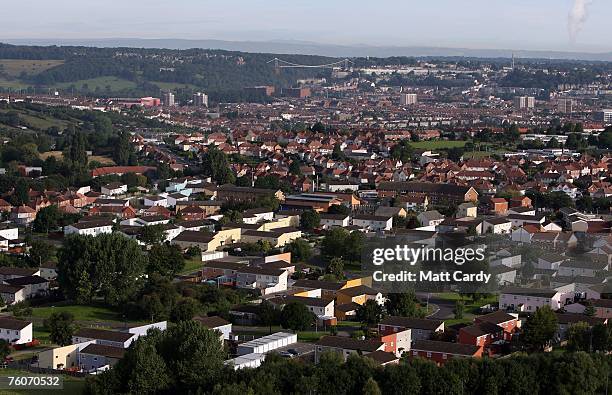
312,48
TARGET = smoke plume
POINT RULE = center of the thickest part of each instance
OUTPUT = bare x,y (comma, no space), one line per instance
577,17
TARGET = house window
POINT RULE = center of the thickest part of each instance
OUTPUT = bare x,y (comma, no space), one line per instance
428,355
415,353
443,356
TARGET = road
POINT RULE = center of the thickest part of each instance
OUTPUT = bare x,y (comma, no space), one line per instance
444,307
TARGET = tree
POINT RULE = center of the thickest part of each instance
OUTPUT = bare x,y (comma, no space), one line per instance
216,165
149,372
340,243
41,252
76,150
110,266
300,250
152,234
165,259
268,314
294,168
459,307
61,327
296,316
540,328
123,150
579,337
371,387
47,219
5,349
370,312
336,267
404,304
309,220
339,209
185,309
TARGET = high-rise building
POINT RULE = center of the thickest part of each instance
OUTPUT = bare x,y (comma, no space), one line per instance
604,116
565,106
407,99
200,99
168,99
524,102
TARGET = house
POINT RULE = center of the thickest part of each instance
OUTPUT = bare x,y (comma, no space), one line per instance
430,218
359,294
155,200
104,337
496,226
12,294
332,220
397,342
23,215
441,352
498,206
9,272
266,280
114,188
481,334
311,201
467,209
176,197
32,285
96,356
230,192
421,328
48,270
321,307
61,358
373,222
90,228
531,299
15,331
437,193
603,307
216,323
582,267
386,211
346,346
414,202
565,320
508,322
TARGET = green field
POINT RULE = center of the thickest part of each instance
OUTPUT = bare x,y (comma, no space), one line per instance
438,144
172,86
114,83
191,265
12,84
72,385
15,67
36,120
81,313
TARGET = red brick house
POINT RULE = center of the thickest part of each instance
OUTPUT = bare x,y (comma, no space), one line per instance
441,352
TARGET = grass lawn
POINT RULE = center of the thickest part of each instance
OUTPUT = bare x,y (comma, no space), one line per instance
114,83
191,265
14,67
72,385
311,336
81,313
105,160
438,144
455,321
12,84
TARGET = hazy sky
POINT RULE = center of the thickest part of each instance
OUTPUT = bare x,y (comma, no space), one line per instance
503,24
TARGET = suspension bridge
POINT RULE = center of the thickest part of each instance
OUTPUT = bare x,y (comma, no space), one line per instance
284,64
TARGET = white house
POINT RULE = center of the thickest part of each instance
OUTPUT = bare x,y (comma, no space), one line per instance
12,294
267,280
113,188
430,218
176,197
89,228
331,220
104,337
530,299
496,226
373,222
15,331
9,232
156,200
257,215
321,307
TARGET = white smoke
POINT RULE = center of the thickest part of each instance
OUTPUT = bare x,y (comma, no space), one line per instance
577,17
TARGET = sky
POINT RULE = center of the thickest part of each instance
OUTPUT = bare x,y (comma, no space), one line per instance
479,24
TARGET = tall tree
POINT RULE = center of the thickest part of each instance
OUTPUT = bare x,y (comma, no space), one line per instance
61,327
540,328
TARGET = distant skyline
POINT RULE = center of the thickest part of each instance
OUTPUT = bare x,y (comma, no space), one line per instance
485,24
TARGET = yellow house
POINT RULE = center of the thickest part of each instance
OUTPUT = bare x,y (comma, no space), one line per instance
59,358
359,294
278,237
